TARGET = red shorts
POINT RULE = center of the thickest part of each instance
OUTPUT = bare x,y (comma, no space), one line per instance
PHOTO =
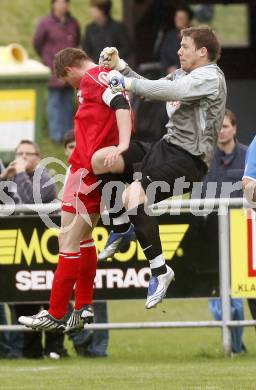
81,193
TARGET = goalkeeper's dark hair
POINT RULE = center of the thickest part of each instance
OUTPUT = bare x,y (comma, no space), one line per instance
204,36
66,58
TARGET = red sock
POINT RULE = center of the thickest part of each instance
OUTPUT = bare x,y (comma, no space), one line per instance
86,275
63,283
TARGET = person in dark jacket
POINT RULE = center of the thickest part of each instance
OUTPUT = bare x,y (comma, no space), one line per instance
228,167
170,43
21,172
56,31
4,336
104,31
228,162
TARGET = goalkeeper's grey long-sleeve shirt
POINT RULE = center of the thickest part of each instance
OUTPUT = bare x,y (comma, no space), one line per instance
195,105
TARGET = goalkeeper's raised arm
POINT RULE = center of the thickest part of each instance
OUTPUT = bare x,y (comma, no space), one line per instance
109,57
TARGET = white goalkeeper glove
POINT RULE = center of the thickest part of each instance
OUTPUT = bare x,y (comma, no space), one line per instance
117,82
109,57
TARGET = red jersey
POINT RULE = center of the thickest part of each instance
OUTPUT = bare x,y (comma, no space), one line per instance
95,121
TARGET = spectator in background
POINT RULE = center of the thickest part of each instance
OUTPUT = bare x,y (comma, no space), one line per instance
69,143
227,167
229,158
104,31
54,32
5,347
4,336
21,172
88,343
170,44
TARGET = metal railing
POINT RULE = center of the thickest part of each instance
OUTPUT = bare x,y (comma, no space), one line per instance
174,206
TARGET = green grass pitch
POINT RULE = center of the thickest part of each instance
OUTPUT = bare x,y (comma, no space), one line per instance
175,359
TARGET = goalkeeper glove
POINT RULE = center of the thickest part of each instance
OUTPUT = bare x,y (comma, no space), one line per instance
109,57
117,82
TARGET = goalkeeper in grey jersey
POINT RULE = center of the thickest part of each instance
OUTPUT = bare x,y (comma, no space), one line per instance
196,99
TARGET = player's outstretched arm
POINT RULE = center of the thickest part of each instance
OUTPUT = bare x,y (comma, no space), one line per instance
190,87
124,123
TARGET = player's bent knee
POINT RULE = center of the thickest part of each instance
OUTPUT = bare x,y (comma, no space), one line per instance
249,187
97,163
244,183
118,167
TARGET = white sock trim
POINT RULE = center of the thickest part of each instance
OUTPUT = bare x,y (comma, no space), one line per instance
158,261
87,245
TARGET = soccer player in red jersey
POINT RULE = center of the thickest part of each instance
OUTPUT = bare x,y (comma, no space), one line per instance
102,119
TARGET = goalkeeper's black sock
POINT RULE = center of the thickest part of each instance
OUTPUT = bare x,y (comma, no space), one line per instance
158,270
147,232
